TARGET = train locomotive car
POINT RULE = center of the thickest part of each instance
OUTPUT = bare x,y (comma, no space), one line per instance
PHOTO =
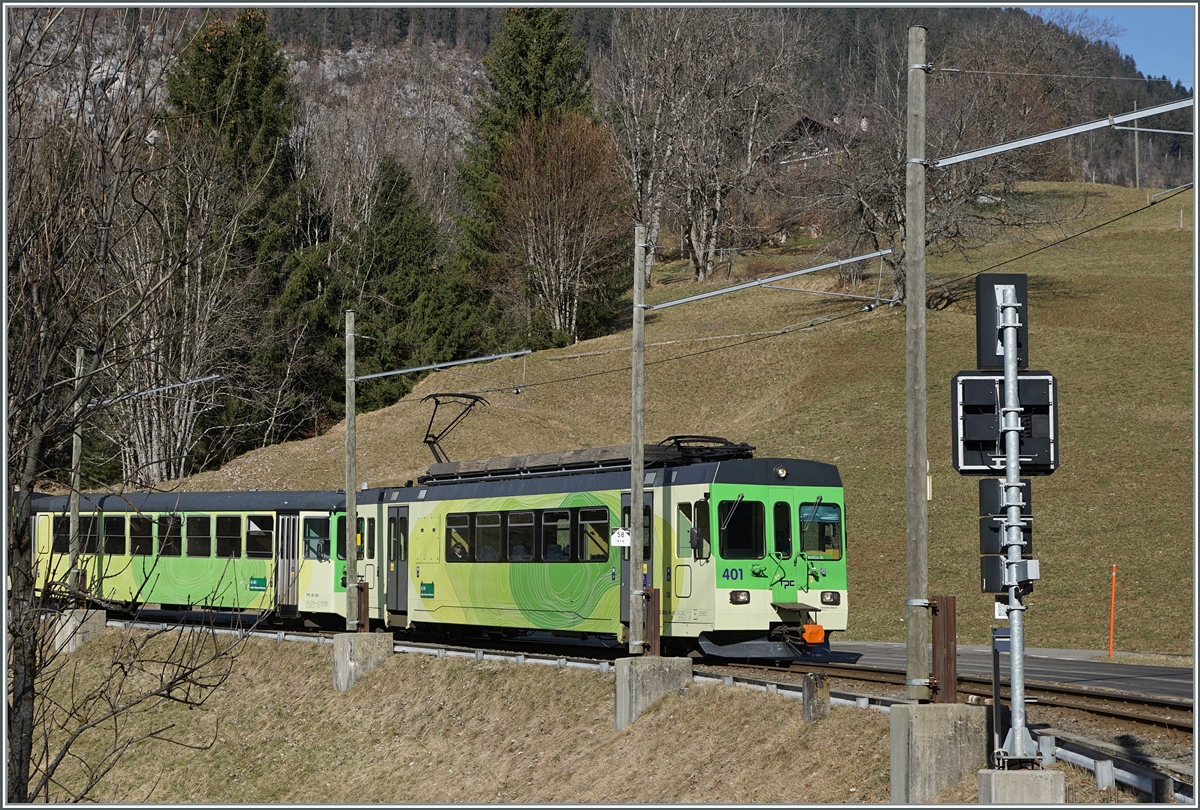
748,554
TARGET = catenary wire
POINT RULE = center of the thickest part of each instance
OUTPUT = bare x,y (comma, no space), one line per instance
1059,75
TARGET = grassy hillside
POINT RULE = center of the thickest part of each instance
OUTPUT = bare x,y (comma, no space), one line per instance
1110,316
423,730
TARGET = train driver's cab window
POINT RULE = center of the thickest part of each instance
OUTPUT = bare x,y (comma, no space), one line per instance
141,538
229,536
458,538
782,518
520,536
260,535
742,529
199,536
593,535
556,535
821,530
316,538
170,533
487,537
114,535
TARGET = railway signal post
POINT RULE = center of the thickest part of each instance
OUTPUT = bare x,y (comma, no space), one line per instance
1006,424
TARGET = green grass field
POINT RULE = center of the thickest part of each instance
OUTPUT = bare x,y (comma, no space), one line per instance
1110,315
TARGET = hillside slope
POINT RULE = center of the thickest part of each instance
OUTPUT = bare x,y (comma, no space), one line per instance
1110,316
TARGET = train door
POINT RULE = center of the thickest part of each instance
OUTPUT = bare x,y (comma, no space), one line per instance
647,546
397,559
287,566
318,582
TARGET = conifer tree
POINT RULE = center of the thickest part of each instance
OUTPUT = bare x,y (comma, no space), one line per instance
535,71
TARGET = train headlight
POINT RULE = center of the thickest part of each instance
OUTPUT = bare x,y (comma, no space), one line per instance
739,597
831,598
781,472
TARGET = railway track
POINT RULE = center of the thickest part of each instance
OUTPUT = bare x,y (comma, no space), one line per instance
1155,711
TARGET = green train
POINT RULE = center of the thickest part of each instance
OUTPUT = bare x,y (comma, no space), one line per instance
748,555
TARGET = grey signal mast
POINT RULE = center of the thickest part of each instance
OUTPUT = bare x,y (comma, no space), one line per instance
995,430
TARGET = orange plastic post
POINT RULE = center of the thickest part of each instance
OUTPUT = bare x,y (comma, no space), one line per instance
1112,610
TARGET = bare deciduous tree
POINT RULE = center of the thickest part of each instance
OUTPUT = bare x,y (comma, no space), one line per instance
563,218
81,93
999,82
702,96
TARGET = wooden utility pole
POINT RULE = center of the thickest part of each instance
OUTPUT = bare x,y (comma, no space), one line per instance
351,537
916,451
637,459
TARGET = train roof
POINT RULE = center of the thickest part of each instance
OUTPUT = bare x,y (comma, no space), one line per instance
755,471
254,500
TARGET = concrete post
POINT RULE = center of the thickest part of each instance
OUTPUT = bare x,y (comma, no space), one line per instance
934,746
75,627
358,654
351,538
1022,787
643,681
916,406
637,606
816,696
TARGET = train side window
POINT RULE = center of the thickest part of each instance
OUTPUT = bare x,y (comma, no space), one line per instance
703,531
141,539
260,535
229,536
316,538
683,530
742,529
114,535
340,539
821,530
520,536
487,537
170,532
783,529
593,535
87,532
199,536
556,536
62,536
458,538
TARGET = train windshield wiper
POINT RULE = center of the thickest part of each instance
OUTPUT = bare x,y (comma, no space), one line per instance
729,517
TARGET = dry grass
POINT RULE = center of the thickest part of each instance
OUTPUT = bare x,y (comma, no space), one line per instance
1110,316
427,730
423,730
